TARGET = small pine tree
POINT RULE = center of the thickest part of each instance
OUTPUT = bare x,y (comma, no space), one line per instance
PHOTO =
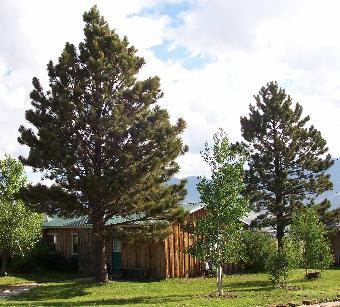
218,233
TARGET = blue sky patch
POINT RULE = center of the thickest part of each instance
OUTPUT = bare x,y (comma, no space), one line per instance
197,62
7,73
173,10
286,83
165,53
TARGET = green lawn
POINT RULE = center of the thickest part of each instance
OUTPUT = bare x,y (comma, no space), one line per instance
246,290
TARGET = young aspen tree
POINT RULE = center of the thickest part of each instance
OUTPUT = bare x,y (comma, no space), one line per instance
218,233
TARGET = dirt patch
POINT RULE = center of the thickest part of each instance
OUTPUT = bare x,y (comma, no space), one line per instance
226,295
13,290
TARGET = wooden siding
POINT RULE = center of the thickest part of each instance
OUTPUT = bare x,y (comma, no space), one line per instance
335,240
231,268
148,256
163,259
178,263
64,240
85,250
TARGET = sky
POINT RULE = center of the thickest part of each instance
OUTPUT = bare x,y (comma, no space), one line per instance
212,57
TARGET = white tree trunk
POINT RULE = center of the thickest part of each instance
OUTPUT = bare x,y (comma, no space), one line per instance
219,281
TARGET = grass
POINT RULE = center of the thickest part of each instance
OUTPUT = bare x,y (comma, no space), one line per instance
247,290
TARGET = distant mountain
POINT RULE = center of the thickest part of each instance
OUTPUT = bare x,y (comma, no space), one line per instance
192,196
333,196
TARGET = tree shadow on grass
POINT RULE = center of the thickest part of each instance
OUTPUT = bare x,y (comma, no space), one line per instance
55,277
246,286
55,291
52,296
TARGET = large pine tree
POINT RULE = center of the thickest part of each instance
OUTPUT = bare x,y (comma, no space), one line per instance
288,163
99,134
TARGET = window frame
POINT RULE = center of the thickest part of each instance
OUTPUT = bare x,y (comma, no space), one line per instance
114,246
55,239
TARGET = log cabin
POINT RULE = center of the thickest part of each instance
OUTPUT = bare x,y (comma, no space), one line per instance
155,260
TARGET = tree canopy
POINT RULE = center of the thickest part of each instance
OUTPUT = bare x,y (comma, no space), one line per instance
102,138
288,159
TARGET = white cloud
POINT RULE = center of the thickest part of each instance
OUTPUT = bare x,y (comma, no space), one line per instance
252,42
295,43
216,26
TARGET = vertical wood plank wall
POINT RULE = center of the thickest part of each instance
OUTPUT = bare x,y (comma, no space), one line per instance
177,262
145,255
335,240
163,259
85,250
64,240
85,246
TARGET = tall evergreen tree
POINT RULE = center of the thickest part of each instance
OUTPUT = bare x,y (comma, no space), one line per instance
288,162
100,135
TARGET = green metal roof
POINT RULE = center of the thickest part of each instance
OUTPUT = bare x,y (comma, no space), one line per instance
60,222
192,207
56,221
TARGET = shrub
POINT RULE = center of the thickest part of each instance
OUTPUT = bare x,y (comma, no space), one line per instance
72,264
43,258
278,266
310,234
258,246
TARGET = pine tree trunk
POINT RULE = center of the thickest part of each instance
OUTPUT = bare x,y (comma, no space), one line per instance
3,266
219,281
279,238
99,260
280,235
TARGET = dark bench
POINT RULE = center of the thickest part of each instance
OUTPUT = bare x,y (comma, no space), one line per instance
313,275
134,273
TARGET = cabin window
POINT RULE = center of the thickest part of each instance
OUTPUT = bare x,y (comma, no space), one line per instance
74,244
52,240
116,246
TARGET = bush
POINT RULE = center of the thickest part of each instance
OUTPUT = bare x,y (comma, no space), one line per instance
258,246
43,258
278,267
308,232
72,264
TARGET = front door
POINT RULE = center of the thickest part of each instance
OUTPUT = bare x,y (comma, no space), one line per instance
116,257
